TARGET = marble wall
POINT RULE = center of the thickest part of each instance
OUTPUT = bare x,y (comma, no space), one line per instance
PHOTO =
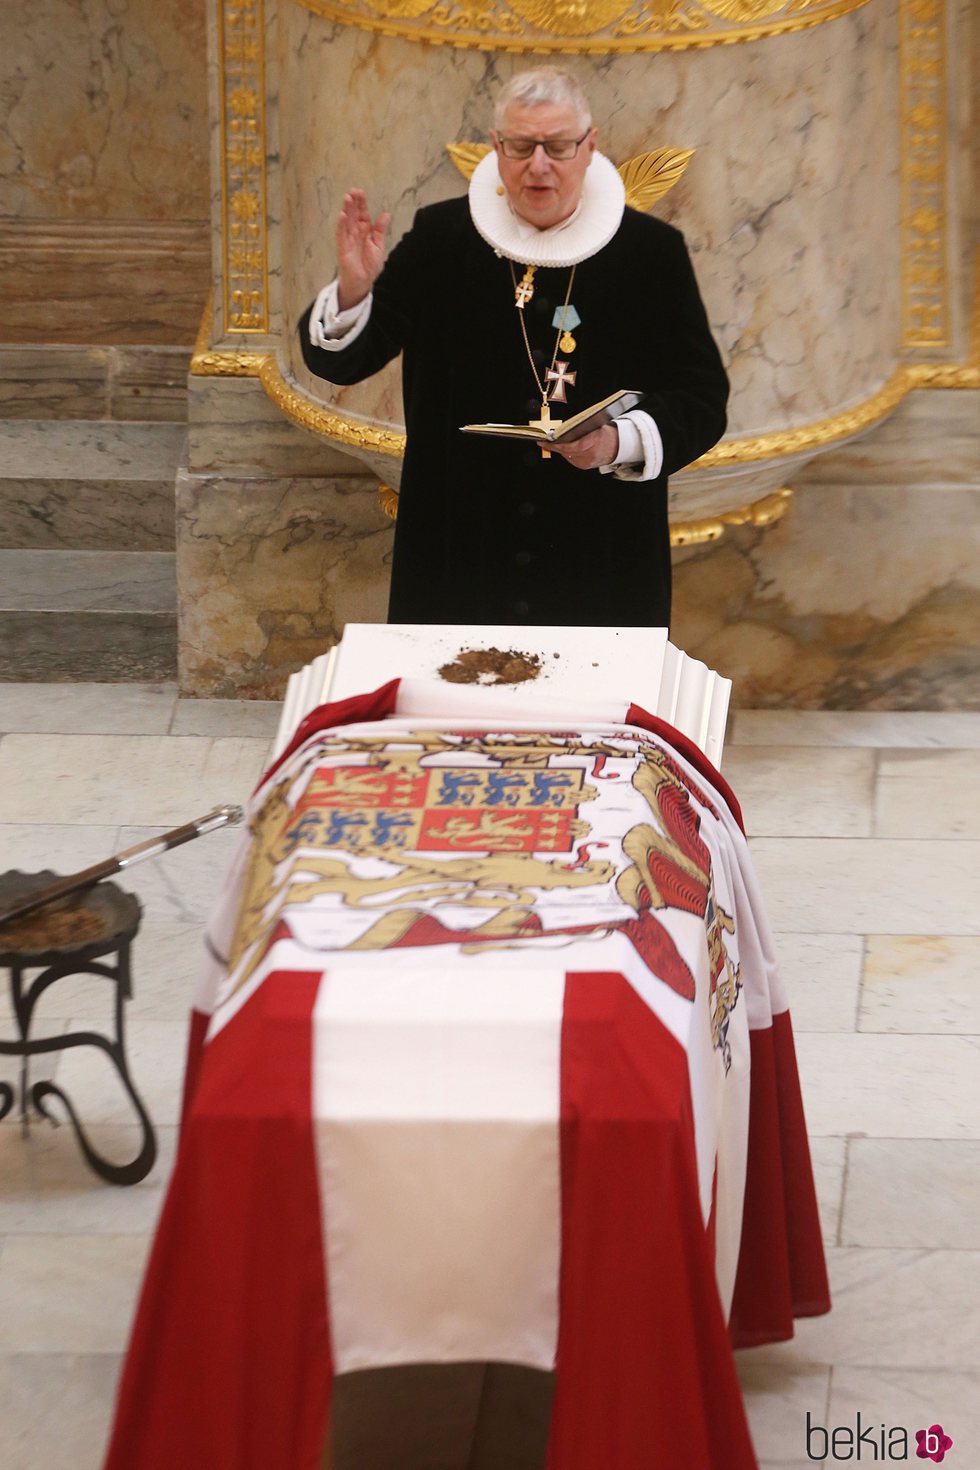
268,572
866,595
103,171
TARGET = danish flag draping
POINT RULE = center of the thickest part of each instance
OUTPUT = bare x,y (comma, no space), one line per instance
490,1061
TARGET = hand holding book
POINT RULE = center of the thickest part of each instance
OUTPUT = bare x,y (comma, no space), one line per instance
564,431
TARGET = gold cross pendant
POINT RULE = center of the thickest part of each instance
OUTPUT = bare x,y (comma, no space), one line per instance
545,422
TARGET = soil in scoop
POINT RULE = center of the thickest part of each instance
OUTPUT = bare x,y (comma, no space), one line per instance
491,666
50,927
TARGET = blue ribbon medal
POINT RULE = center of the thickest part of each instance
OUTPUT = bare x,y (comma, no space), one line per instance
565,320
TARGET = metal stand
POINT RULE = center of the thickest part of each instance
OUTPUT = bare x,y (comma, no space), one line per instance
121,913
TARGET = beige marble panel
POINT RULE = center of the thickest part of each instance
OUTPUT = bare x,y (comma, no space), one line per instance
822,973
802,792
912,1192
927,793
932,438
861,597
233,427
55,1409
109,779
891,1086
149,383
269,572
916,1309
921,983
896,729
104,109
69,1293
840,885
791,225
102,281
53,382
915,1399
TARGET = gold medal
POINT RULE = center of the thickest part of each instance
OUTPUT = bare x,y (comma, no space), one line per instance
566,342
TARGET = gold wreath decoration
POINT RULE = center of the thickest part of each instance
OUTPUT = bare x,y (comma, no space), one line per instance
646,178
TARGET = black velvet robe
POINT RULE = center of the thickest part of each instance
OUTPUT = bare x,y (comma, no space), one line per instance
487,530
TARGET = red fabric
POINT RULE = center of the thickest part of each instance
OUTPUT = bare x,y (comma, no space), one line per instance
200,1021
645,1371
637,715
781,1271
229,1364
377,704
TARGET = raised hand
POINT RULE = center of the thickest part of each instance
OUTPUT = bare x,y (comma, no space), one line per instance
360,249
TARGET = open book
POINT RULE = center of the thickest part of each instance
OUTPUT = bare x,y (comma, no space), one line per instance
563,431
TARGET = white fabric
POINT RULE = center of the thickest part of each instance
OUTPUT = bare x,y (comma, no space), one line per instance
330,327
643,458
436,1085
593,226
437,1095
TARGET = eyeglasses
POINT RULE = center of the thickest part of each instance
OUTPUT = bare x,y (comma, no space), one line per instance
559,149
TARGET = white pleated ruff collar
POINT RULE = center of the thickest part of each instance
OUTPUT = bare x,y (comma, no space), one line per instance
598,218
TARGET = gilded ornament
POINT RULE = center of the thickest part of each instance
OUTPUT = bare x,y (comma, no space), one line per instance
597,27
241,70
466,156
922,76
743,10
649,176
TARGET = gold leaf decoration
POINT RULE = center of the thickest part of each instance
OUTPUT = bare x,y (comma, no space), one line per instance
649,176
466,156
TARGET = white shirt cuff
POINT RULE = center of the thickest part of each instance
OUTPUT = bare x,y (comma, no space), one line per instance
641,450
331,328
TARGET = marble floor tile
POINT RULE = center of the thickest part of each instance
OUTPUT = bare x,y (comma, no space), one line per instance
41,1066
891,1086
134,779
777,1397
89,709
827,1156
802,791
913,1192
822,973
182,885
927,793
155,1050
914,1399
868,886
921,984
165,959
248,717
917,1309
47,1188
882,728
69,1293
55,1409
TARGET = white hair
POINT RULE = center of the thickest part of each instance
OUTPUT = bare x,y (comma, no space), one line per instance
542,84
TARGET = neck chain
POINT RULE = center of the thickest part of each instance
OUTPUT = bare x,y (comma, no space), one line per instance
522,295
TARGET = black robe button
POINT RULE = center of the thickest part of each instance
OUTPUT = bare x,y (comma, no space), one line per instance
542,306
521,609
522,559
539,356
527,507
